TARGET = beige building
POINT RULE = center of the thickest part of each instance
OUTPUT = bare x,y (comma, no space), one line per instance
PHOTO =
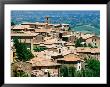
43,31
65,26
86,52
46,66
19,28
25,38
69,38
72,60
94,40
21,67
13,54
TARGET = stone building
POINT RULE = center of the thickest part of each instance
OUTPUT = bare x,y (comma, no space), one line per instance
72,60
86,52
46,66
94,41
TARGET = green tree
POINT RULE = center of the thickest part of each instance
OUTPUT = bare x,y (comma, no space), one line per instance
12,23
95,46
85,45
39,49
94,67
72,71
92,70
22,52
67,71
90,45
21,74
48,74
64,71
69,29
78,42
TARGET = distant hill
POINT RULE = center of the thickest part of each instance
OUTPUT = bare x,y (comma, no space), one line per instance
85,21
87,29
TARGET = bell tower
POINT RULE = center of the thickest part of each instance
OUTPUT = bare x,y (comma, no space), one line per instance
47,21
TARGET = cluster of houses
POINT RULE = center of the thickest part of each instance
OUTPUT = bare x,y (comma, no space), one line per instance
59,42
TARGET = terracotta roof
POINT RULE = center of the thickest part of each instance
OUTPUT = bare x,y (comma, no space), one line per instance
43,30
27,23
51,41
42,62
38,23
87,50
51,46
86,36
93,37
69,44
23,34
20,27
31,28
70,58
95,50
47,38
67,35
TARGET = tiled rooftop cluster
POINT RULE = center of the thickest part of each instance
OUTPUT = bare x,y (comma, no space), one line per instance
59,50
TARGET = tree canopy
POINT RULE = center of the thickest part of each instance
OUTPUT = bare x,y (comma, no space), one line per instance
94,66
39,49
78,42
22,52
92,70
12,23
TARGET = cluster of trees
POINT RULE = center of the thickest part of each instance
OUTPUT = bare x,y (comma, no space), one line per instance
23,54
93,66
69,29
66,71
92,70
79,41
20,74
39,49
90,45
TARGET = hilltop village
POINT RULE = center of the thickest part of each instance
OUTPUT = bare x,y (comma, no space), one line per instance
53,45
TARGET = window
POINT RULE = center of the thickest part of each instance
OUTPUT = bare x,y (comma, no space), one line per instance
45,73
59,50
92,40
79,67
88,56
33,68
14,54
55,67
